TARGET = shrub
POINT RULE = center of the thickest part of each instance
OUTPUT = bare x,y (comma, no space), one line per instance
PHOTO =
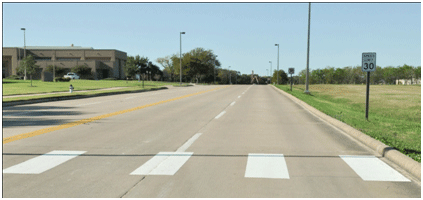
61,79
110,79
15,77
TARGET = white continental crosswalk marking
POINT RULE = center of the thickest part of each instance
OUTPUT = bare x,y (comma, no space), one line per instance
370,168
266,166
164,163
42,163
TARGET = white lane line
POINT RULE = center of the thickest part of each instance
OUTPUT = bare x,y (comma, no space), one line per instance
42,163
188,143
239,97
164,163
233,103
220,115
266,166
370,168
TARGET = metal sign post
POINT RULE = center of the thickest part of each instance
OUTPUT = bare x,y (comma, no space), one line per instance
368,64
291,71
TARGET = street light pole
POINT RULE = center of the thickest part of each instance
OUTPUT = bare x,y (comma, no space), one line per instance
214,69
277,72
271,72
180,57
24,51
229,70
308,49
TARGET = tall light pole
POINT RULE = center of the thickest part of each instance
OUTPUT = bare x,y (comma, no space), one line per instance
214,69
54,68
308,48
277,72
180,57
271,72
24,51
229,70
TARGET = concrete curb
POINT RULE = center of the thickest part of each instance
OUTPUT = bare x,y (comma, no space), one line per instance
411,166
48,99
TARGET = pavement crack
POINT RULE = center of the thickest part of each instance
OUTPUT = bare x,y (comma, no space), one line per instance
132,187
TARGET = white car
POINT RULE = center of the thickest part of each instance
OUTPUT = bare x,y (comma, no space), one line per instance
71,75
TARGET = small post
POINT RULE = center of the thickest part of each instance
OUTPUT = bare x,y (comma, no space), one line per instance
291,82
367,95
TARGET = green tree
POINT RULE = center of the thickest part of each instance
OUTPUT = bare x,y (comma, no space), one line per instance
418,72
166,63
83,71
377,76
28,63
283,77
130,68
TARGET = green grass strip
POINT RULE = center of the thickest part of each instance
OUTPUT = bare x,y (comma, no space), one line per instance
398,127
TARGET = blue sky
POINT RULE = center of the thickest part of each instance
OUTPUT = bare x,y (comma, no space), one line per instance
243,35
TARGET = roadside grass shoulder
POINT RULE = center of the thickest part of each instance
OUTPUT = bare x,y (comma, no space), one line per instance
395,121
15,87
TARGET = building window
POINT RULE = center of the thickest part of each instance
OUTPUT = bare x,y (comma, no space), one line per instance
98,58
68,59
42,58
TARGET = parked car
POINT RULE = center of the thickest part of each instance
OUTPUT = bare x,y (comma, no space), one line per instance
71,75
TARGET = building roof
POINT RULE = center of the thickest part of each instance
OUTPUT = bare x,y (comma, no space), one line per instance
55,47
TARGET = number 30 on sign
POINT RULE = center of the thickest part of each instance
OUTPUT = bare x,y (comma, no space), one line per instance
368,63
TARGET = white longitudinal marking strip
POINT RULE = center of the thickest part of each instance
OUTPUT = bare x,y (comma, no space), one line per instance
188,143
220,115
239,97
233,103
42,163
164,163
266,166
370,168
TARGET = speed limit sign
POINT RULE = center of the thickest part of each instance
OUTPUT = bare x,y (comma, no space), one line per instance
368,63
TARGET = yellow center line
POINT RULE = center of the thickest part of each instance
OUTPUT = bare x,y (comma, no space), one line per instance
83,121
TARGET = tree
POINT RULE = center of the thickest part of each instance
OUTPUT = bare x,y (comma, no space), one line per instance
390,74
83,71
130,68
28,63
283,77
408,72
377,76
418,72
166,63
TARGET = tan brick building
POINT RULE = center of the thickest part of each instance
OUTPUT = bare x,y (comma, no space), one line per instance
104,63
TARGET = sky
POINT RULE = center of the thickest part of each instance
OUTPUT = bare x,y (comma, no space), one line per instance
242,35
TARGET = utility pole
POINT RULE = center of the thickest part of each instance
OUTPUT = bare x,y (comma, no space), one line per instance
180,57
308,49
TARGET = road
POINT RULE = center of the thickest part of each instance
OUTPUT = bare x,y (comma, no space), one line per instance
201,141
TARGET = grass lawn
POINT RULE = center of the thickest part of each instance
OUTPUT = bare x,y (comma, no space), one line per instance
13,87
394,111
